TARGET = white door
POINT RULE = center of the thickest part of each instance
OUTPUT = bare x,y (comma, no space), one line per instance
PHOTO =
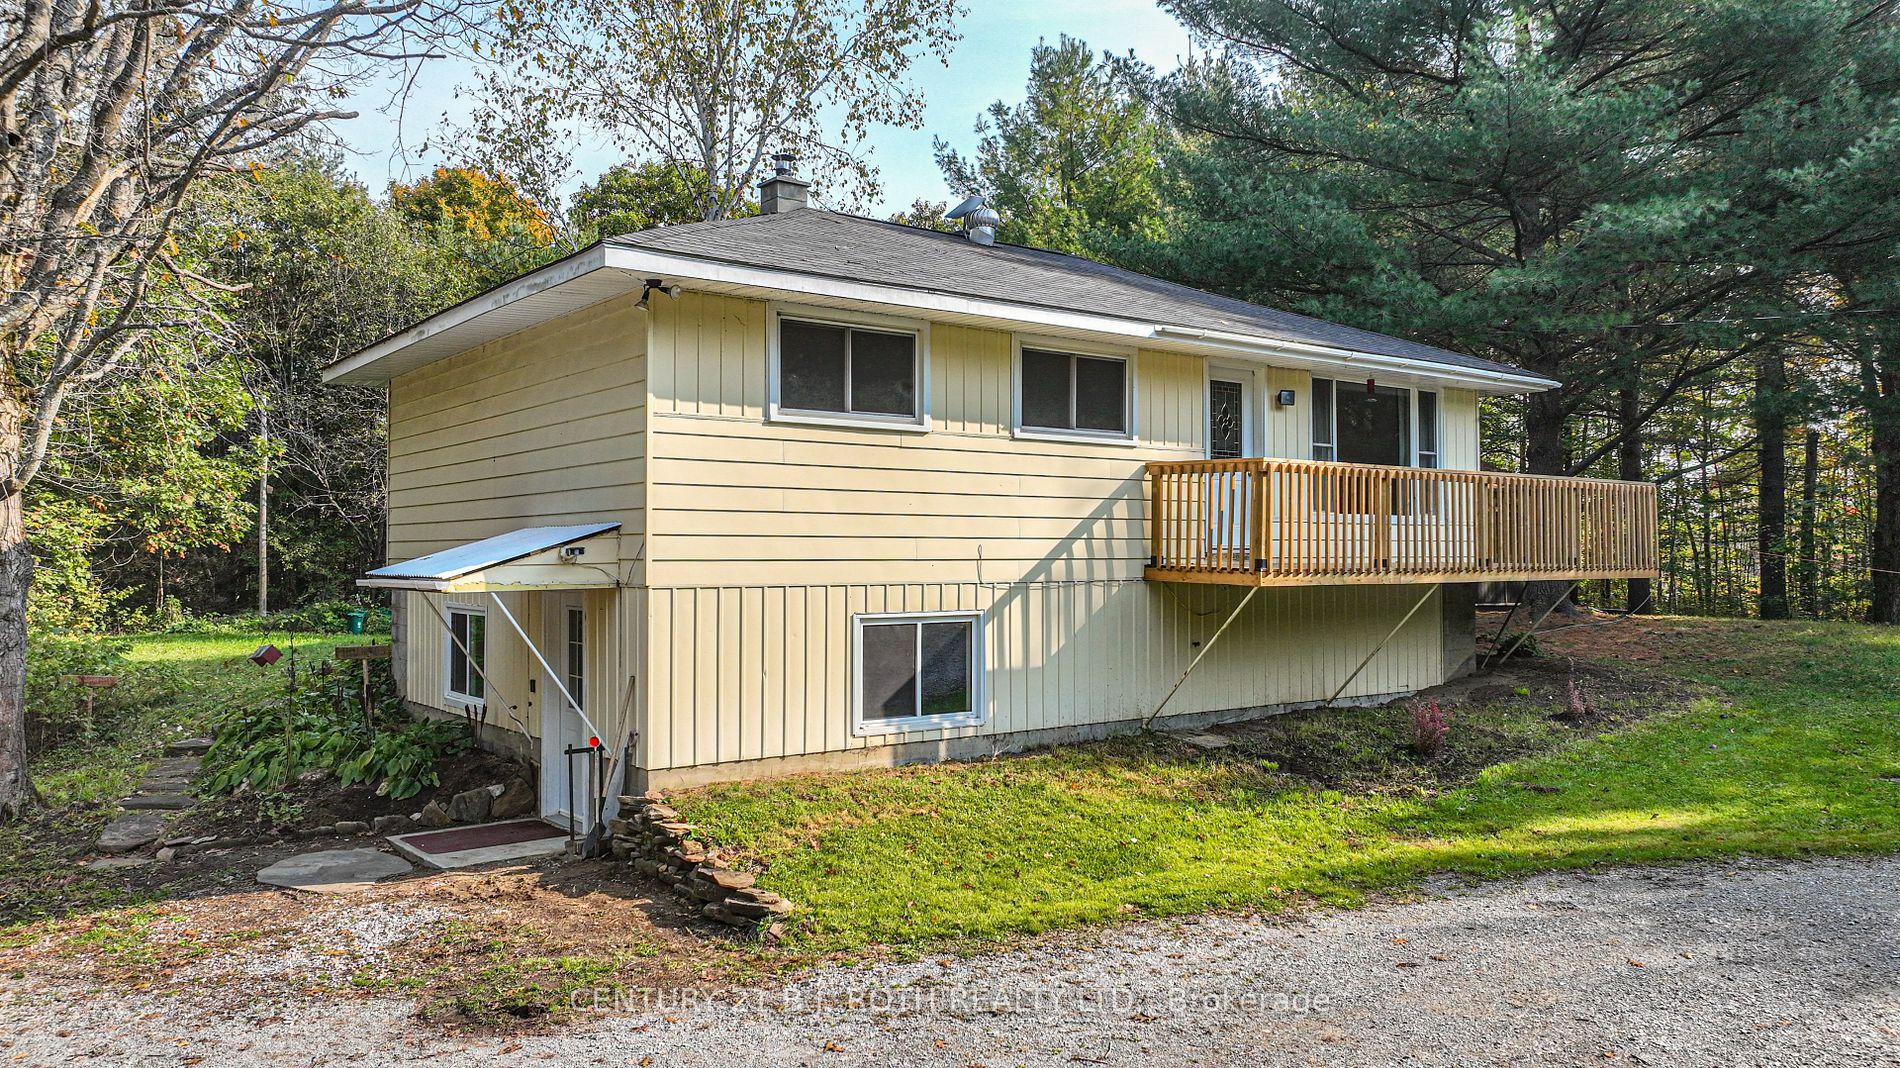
1230,436
566,780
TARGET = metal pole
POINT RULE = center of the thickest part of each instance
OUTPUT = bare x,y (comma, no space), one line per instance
1197,657
553,676
1546,615
1429,590
488,684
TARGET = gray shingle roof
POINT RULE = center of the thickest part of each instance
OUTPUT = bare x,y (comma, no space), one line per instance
812,241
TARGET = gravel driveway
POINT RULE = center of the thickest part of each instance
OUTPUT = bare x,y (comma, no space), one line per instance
1787,963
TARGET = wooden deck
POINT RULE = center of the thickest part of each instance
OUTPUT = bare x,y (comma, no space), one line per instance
1259,522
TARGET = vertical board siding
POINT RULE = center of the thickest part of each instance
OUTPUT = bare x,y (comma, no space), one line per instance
1289,430
1458,411
744,672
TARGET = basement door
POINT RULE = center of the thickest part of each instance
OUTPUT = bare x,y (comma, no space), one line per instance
566,781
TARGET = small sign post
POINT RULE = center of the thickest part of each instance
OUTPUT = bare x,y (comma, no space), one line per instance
363,654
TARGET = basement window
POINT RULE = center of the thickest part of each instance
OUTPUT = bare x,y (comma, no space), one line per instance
916,671
837,370
468,654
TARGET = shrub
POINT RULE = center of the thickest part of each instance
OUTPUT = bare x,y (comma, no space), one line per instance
1430,724
1526,648
316,727
56,709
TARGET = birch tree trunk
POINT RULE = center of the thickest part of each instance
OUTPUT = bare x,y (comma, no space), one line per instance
16,573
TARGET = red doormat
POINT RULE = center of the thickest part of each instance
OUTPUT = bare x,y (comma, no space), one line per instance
483,836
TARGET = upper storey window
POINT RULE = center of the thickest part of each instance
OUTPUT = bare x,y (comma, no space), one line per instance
843,370
1386,425
1073,394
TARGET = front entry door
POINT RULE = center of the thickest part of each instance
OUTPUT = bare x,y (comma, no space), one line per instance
565,780
1230,436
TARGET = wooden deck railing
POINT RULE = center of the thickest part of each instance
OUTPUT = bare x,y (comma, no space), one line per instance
1302,522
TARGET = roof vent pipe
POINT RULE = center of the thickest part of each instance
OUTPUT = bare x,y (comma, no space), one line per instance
784,191
979,220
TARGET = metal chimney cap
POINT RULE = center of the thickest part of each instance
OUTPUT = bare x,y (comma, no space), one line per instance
782,163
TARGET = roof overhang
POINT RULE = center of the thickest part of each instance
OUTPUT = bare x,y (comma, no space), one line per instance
579,557
604,271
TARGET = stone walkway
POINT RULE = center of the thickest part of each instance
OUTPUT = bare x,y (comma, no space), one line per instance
165,788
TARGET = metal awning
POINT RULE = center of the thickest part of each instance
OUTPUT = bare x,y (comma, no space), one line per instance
581,557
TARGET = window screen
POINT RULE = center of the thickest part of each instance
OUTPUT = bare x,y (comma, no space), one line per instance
1323,419
1427,429
1063,391
915,668
846,370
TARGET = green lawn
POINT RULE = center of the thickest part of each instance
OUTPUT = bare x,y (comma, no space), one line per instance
1795,748
172,686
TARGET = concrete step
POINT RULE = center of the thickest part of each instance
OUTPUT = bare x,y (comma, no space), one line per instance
163,802
131,831
188,747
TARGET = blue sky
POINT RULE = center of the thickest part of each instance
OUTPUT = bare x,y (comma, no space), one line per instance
990,63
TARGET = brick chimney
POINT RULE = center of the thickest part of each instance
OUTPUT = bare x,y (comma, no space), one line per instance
784,191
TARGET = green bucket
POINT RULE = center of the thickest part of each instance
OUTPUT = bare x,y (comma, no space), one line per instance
357,618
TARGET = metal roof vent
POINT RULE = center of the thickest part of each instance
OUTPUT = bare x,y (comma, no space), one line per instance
979,220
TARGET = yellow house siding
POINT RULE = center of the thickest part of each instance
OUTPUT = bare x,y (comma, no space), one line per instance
1459,435
1289,430
748,673
545,426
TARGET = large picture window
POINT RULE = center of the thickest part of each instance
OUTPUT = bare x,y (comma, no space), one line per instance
1074,393
468,654
1357,425
838,369
916,672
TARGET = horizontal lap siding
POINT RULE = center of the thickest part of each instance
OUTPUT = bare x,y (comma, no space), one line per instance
766,538
542,427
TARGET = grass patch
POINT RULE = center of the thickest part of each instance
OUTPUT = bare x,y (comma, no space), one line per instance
1790,750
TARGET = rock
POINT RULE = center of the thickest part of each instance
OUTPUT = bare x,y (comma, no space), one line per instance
332,870
622,827
726,879
115,863
131,831
757,910
1204,739
188,747
396,824
434,815
515,800
166,854
351,827
471,806
316,776
717,914
174,769
773,933
324,831
662,812
162,802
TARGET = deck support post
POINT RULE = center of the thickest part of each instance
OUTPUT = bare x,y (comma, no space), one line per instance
1377,649
1231,616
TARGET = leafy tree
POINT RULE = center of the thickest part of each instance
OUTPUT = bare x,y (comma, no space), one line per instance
1076,158
323,271
928,214
715,86
629,198
112,113
474,204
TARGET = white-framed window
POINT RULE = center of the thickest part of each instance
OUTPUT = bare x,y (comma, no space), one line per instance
837,368
1063,390
467,654
1389,425
916,671
576,654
